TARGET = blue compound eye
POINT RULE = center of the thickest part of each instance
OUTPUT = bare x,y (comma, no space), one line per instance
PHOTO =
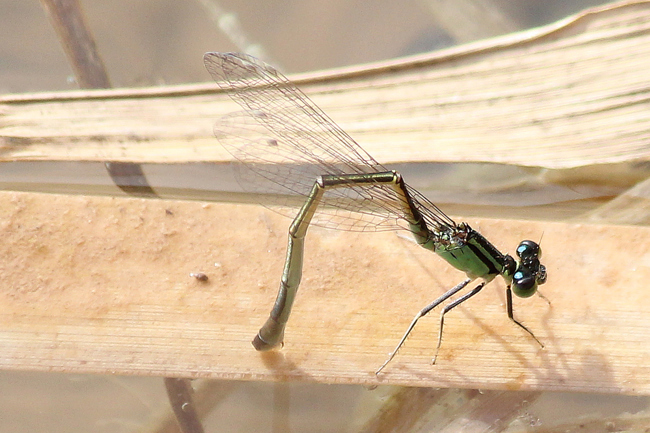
524,283
528,250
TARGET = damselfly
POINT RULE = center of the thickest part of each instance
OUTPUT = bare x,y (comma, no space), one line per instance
289,147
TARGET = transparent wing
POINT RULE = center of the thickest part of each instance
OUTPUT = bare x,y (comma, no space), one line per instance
272,165
284,142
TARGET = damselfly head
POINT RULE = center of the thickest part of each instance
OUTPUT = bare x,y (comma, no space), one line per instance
529,272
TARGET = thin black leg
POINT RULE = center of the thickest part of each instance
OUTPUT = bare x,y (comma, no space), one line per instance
448,308
510,315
